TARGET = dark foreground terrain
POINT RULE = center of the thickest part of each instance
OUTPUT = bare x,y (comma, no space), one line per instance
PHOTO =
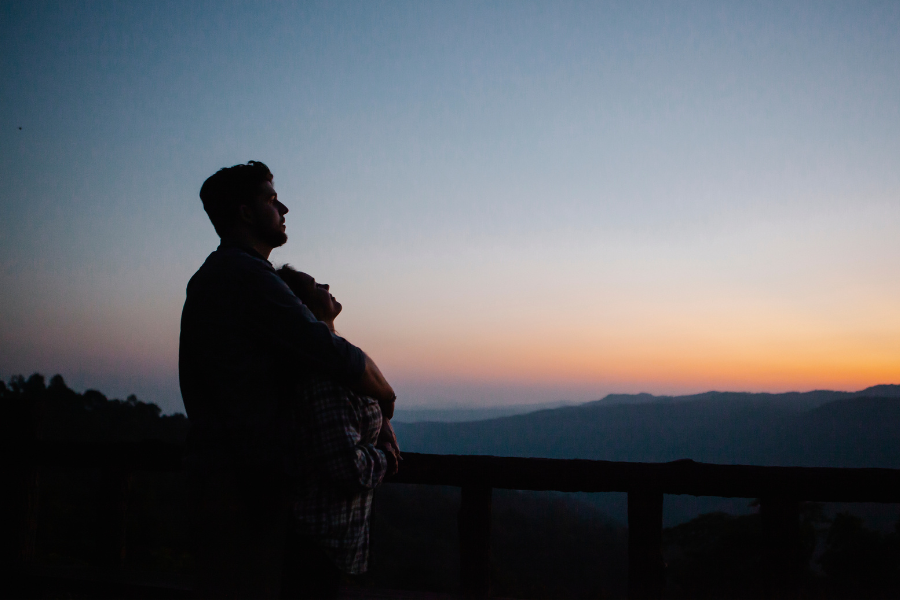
544,545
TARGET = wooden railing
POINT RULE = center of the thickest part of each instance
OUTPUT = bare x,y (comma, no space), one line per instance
780,490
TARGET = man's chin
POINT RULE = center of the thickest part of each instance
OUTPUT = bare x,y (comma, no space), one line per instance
278,240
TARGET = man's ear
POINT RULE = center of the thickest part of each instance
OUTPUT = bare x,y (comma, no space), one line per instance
245,214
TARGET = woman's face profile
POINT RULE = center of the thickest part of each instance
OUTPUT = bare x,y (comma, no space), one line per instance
320,301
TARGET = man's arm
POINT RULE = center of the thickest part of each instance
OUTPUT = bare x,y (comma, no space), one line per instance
374,385
284,323
334,430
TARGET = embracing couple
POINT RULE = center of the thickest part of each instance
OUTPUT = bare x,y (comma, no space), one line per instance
289,421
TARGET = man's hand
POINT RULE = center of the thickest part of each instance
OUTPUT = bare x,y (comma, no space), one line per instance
392,455
387,443
387,435
374,384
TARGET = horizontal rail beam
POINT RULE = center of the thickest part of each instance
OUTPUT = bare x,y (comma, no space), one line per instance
820,484
678,477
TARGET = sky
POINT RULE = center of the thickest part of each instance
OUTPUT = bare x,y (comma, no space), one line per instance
516,202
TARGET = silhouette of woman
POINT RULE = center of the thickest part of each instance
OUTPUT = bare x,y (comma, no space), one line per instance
346,446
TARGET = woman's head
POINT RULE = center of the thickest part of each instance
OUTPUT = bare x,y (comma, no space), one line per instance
314,295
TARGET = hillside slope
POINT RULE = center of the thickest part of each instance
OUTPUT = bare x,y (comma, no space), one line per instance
820,428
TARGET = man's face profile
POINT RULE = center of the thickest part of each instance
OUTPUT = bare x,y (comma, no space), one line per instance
265,216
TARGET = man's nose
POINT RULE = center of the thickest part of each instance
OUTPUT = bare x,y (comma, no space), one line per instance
327,287
282,208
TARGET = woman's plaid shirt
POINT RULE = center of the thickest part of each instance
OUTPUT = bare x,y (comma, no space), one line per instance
340,468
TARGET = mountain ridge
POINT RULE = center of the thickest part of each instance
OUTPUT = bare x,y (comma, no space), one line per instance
820,428
811,398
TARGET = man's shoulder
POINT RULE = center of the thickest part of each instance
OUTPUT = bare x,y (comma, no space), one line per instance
235,258
233,264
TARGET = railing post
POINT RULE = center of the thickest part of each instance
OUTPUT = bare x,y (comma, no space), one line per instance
781,538
475,541
646,567
115,483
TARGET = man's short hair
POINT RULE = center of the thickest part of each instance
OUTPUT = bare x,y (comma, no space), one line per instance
228,189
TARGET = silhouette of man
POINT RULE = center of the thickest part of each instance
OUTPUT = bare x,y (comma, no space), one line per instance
245,337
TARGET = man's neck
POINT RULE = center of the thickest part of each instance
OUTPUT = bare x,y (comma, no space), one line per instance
249,242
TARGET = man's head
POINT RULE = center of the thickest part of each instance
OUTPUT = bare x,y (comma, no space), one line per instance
243,205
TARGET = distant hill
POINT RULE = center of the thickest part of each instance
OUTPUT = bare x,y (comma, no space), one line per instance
862,431
798,400
820,428
461,414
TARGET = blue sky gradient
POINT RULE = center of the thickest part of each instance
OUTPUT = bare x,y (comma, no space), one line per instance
515,202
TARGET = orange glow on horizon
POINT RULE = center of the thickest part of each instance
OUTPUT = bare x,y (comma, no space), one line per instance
766,363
